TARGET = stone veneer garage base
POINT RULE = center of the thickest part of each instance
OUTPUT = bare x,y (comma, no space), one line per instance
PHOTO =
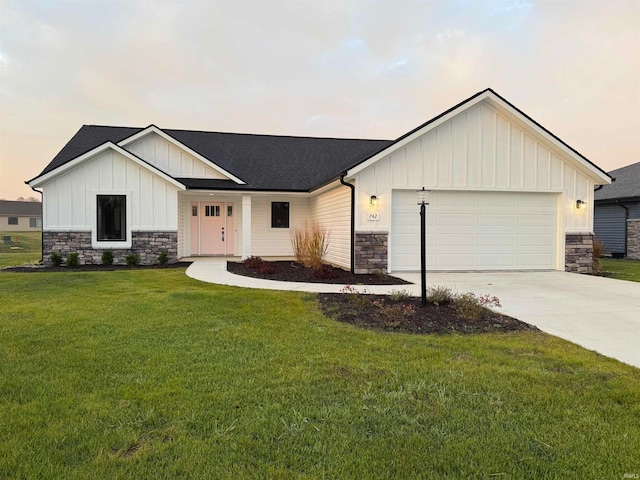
147,245
633,239
579,253
371,249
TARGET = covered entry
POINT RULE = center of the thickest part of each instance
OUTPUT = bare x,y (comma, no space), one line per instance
212,228
476,231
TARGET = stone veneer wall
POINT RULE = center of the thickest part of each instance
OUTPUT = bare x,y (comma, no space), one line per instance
371,252
147,245
633,239
579,253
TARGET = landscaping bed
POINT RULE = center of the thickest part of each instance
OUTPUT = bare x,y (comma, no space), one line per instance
289,271
90,268
384,312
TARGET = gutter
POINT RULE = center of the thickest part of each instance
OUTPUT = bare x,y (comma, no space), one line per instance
42,231
353,219
626,217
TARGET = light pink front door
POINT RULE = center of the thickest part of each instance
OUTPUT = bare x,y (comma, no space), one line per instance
212,234
212,228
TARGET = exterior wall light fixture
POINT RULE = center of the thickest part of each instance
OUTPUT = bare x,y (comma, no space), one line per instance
581,204
373,201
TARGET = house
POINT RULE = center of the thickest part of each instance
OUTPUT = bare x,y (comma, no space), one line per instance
617,213
505,194
20,216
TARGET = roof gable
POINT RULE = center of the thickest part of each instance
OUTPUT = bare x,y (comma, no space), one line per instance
153,130
499,103
40,180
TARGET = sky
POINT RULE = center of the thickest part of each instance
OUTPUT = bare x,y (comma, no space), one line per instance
365,69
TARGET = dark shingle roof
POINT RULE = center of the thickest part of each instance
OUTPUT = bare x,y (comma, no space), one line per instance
20,209
627,184
264,162
88,138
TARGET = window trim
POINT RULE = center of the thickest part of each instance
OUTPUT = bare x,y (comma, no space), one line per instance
288,209
112,244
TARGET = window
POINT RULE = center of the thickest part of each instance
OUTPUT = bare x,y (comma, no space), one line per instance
13,220
212,210
194,210
279,214
112,218
229,211
35,223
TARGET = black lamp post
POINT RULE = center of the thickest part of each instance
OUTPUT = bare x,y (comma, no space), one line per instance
423,197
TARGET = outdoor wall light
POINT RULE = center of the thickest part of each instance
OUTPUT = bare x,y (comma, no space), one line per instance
580,204
373,201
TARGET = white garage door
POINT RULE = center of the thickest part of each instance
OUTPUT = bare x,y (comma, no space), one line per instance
475,231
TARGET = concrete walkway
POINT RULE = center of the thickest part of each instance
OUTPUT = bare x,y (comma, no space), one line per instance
600,314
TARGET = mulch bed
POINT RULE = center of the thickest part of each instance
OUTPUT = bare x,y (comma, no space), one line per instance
90,268
391,316
288,271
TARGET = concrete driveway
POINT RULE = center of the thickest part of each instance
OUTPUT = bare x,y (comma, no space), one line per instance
600,314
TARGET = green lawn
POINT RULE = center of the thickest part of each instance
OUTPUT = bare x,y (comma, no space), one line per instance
28,249
150,374
621,269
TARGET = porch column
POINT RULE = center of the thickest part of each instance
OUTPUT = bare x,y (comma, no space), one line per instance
246,226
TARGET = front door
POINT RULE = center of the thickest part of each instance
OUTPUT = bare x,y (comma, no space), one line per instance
211,228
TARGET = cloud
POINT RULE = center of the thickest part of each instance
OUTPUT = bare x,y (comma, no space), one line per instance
374,69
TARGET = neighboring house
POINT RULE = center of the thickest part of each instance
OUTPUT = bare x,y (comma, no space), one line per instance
505,194
617,213
20,216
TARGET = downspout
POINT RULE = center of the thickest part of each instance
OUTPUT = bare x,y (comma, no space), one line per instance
42,228
626,217
353,219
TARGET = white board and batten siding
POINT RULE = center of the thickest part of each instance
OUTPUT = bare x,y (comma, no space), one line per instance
332,209
171,159
70,198
503,196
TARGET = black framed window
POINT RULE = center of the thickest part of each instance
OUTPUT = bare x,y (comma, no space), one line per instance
279,214
35,222
112,218
13,220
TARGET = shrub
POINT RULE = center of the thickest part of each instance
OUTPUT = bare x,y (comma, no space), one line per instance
395,313
399,295
267,268
132,260
310,244
253,262
598,246
72,260
440,295
56,259
471,307
163,258
107,257
324,271
359,298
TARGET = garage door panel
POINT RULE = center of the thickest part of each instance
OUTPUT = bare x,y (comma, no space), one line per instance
476,231
497,240
496,220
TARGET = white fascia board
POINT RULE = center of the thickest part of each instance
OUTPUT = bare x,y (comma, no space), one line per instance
418,133
193,191
597,176
182,146
39,181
